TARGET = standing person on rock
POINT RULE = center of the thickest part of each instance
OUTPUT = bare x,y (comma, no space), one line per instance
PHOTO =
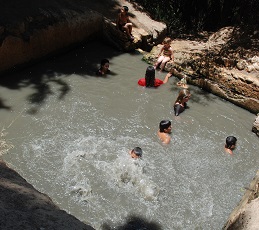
123,23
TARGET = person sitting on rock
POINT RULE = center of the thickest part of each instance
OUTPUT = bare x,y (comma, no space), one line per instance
123,23
165,129
181,102
104,68
230,144
150,80
167,54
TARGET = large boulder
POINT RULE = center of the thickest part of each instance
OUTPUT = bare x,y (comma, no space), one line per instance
33,39
48,27
23,207
201,63
146,31
246,215
255,128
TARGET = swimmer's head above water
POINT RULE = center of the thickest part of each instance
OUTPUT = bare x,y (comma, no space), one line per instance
165,126
136,152
230,144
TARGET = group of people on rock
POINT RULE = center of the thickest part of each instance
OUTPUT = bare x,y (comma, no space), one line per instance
166,54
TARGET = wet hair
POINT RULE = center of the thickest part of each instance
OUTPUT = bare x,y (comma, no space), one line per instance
104,61
126,8
150,76
164,124
167,40
230,140
137,151
182,94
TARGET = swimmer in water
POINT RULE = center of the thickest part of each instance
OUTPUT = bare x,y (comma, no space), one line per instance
165,129
136,153
181,102
230,144
104,68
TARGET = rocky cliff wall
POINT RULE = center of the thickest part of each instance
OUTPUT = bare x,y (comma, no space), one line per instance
214,73
23,207
71,29
48,27
246,214
37,35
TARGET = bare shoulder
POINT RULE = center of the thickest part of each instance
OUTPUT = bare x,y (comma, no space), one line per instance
164,137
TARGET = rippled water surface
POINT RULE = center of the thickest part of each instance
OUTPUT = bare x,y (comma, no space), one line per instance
72,132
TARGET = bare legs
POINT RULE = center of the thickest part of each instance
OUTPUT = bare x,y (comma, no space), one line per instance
128,29
163,60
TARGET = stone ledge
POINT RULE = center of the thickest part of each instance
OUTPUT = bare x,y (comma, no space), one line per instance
23,207
239,87
238,218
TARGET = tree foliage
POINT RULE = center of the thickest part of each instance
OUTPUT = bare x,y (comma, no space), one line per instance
190,16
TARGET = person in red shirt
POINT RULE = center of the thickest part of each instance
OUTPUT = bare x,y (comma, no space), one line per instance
150,80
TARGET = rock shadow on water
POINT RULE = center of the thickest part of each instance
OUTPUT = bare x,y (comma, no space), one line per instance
50,72
133,223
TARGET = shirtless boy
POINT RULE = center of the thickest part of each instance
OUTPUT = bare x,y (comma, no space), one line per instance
123,23
165,129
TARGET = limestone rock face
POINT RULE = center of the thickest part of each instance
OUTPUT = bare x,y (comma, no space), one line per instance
255,128
146,31
20,48
23,207
48,31
246,215
215,73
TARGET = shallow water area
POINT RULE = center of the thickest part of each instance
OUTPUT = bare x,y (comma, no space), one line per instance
72,132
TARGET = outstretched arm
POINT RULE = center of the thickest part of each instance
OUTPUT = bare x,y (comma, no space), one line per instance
168,75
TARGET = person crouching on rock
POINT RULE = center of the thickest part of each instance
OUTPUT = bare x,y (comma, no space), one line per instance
123,23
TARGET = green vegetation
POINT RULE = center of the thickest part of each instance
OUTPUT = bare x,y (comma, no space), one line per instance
192,16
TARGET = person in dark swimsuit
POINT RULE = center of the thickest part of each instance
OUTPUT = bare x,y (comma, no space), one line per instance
150,80
123,23
181,101
104,68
